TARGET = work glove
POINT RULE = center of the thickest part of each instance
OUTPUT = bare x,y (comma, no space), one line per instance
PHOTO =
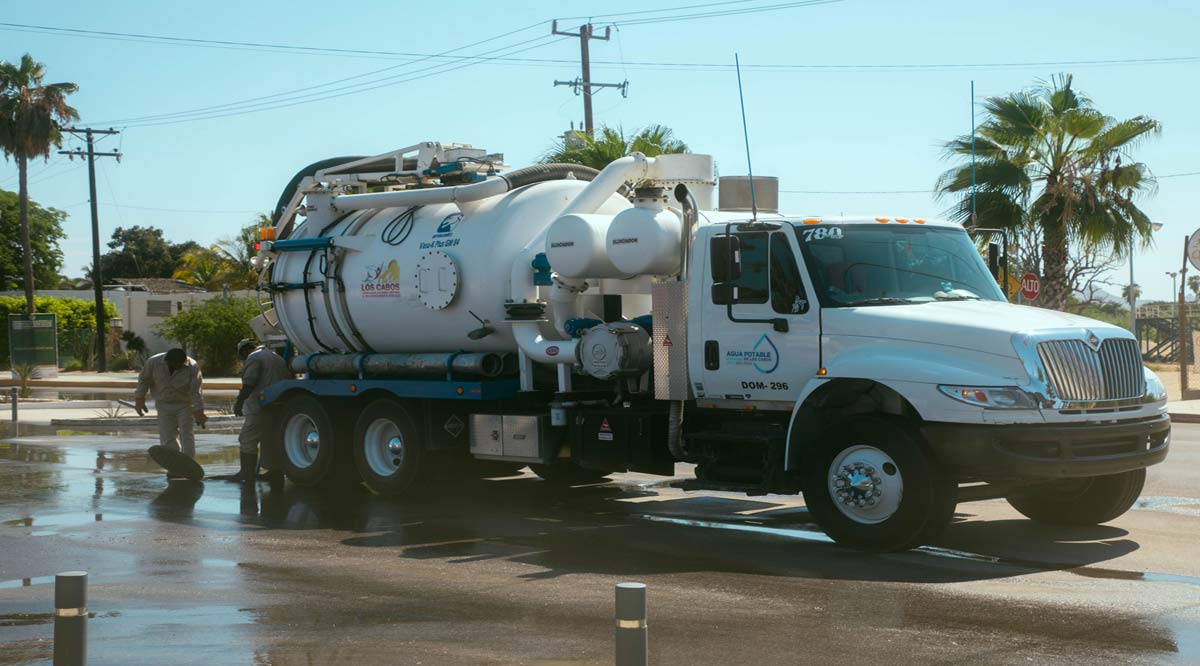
201,417
139,406
237,408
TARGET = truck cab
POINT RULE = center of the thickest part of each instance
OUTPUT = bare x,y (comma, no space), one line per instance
907,380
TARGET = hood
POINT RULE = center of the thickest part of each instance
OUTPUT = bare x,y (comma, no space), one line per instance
985,326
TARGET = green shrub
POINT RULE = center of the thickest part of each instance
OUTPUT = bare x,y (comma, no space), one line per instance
119,363
74,365
73,314
211,330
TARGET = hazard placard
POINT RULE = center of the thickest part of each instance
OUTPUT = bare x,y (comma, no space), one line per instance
667,341
604,427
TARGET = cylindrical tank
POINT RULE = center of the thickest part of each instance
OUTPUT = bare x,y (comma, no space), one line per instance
404,280
645,239
733,194
575,246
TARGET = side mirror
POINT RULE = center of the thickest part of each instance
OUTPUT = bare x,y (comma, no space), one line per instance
725,258
993,256
724,293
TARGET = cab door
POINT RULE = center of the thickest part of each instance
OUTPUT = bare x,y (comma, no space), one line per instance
759,331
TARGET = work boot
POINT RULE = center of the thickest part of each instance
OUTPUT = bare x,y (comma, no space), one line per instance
246,474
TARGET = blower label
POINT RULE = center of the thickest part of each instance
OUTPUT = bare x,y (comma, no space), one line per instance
382,279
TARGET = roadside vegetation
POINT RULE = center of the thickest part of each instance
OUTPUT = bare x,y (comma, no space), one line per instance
211,331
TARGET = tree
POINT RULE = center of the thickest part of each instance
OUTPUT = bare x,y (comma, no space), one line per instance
178,250
212,330
203,267
31,120
239,252
610,144
1137,292
137,252
1193,284
45,232
1047,158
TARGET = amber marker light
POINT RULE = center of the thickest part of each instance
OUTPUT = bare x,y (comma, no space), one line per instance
812,220
881,220
822,372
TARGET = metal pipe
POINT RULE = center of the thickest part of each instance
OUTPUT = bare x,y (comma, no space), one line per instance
540,350
70,618
400,365
632,641
684,197
432,195
13,397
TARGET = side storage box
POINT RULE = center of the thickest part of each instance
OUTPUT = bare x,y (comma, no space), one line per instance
515,437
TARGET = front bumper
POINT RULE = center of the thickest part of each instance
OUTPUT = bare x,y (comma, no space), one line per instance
1048,451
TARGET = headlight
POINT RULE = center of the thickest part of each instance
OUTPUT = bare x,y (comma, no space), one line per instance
1155,390
991,397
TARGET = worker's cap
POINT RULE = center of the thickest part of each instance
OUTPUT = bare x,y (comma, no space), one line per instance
245,345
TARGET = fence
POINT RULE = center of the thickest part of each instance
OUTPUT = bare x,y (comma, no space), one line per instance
1169,336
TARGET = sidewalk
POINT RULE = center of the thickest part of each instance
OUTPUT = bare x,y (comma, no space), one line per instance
1184,411
110,380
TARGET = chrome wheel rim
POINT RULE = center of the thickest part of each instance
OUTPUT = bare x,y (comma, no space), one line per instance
383,447
865,484
301,441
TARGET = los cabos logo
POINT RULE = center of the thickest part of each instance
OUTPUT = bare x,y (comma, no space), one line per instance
382,279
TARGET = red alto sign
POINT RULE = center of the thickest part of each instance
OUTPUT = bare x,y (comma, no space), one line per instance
1031,286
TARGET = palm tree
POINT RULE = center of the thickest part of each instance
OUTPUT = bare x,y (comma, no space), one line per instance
1047,158
203,267
31,119
1193,283
611,144
1137,293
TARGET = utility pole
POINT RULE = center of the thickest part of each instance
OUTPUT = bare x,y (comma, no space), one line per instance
97,275
584,84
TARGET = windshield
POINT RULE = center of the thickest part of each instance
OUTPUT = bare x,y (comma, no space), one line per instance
891,264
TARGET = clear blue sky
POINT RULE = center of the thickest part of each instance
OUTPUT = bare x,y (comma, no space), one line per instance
827,131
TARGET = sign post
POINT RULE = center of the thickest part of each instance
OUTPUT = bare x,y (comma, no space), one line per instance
1031,286
33,340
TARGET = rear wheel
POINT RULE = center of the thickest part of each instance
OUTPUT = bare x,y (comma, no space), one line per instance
387,447
1087,501
306,441
875,486
569,474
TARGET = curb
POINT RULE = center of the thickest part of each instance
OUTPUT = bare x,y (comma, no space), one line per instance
108,384
136,422
1185,418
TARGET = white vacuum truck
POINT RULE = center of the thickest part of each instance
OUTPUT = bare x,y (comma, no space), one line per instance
438,306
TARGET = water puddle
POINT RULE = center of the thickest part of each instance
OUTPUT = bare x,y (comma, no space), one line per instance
1186,506
936,551
26,582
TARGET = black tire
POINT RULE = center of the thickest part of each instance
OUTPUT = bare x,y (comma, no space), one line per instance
919,511
319,463
387,470
569,474
1087,501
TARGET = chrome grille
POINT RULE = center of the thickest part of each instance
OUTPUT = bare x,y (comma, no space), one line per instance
1078,373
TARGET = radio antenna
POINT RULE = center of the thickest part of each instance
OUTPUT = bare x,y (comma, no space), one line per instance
746,134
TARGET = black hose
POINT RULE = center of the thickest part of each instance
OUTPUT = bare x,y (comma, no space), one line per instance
539,173
311,170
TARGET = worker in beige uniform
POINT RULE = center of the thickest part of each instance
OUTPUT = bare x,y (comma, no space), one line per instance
175,382
261,367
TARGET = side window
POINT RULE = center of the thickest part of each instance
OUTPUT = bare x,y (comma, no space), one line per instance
787,289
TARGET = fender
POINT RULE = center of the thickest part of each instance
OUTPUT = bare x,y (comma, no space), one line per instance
856,365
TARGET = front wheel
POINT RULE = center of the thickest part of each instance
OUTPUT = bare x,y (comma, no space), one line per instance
387,447
1087,501
875,486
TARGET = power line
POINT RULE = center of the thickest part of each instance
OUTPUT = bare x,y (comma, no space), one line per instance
731,12
325,95
184,210
931,192
316,90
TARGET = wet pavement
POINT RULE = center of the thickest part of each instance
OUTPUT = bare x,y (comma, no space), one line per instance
514,571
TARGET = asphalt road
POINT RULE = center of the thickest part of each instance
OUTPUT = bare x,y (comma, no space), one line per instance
515,572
